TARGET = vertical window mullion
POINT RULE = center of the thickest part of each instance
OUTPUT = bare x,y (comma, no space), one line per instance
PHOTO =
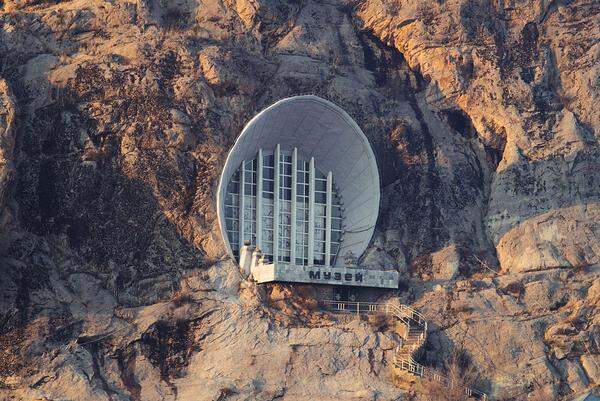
276,185
259,189
329,200
293,206
242,186
311,212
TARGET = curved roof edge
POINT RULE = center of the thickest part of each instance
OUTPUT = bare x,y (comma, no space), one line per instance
225,173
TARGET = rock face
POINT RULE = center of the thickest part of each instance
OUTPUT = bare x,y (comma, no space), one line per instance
519,83
115,118
7,144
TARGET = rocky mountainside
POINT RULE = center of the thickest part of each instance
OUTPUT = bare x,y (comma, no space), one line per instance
115,119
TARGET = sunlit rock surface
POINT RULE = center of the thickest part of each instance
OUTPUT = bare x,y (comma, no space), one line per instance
115,118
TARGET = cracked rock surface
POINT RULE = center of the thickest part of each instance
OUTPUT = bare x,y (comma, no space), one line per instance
115,119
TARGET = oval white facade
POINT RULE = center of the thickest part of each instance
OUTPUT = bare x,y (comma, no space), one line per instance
300,146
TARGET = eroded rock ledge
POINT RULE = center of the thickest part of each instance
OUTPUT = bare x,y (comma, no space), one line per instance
114,121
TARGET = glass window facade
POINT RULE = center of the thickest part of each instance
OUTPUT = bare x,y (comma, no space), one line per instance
232,218
285,211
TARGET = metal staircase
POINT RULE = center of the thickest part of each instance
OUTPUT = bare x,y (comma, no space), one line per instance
414,335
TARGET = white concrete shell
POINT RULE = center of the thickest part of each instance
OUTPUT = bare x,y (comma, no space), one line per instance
319,129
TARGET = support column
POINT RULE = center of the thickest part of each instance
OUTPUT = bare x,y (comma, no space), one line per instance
311,213
276,180
294,211
242,184
246,259
328,219
259,189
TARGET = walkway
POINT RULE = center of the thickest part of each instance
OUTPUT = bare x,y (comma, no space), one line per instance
414,336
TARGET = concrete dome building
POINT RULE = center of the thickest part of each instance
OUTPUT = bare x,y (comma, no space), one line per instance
301,185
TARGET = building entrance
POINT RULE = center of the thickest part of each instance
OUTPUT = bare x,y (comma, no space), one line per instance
345,294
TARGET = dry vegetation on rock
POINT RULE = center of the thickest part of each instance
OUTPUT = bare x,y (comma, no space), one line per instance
459,377
115,118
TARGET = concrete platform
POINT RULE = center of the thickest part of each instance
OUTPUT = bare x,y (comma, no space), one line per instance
287,272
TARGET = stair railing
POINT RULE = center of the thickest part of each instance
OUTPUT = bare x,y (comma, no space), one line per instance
411,319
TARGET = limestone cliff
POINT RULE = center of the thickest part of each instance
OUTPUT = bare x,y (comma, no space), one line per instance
116,116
